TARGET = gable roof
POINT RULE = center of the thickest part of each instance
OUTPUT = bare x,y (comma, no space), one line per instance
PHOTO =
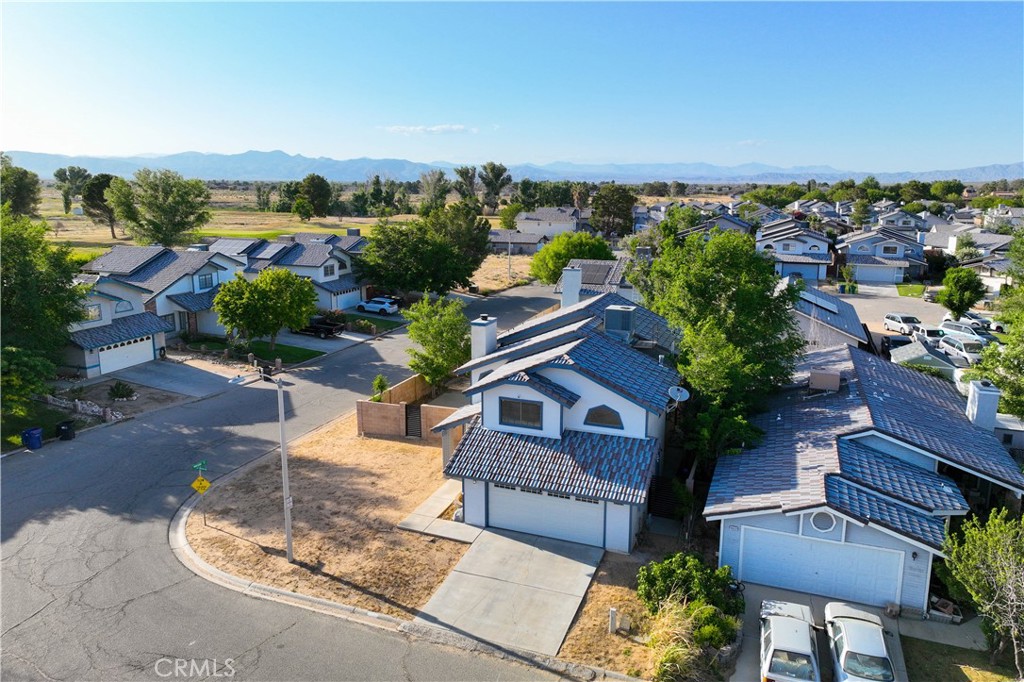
599,276
120,329
123,260
515,237
918,351
169,267
831,311
196,303
550,214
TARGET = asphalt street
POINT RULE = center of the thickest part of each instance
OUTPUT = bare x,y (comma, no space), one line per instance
91,589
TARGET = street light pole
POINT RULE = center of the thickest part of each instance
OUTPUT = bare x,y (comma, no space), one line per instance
284,473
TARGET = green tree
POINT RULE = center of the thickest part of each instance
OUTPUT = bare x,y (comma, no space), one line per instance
412,257
678,219
861,213
914,207
434,187
19,187
302,208
580,195
95,204
988,561
547,265
966,247
495,178
962,288
39,301
70,181
613,210
277,298
678,189
554,193
465,231
466,183
526,194
318,193
380,384
442,331
937,208
915,190
160,207
508,216
263,191
943,188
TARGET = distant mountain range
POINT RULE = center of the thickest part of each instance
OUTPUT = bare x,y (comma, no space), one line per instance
278,165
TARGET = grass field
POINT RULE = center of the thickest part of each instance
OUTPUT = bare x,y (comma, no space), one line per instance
929,661
384,324
910,289
39,414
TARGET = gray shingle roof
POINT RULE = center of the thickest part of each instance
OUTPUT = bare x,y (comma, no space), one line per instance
600,466
336,286
235,247
463,415
917,351
599,276
815,258
515,237
306,254
552,214
163,271
818,305
858,259
196,303
120,329
122,260
530,345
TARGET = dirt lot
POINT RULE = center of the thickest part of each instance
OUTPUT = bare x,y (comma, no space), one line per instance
492,276
349,493
614,585
148,398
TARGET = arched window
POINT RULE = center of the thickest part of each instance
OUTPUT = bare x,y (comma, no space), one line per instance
814,247
123,306
602,415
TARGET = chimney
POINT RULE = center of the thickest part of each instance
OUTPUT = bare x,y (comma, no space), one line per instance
920,237
483,336
572,282
983,403
952,243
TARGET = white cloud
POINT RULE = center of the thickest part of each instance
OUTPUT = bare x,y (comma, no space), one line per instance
444,129
751,143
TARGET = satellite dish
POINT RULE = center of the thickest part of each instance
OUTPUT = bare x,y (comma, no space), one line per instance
678,393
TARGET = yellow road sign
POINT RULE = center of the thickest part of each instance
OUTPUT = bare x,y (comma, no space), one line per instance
201,484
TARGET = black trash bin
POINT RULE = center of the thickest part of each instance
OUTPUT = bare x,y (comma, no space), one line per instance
66,429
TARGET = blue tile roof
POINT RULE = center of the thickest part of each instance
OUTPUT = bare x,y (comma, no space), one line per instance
898,479
874,509
818,305
342,284
195,303
599,466
529,346
120,329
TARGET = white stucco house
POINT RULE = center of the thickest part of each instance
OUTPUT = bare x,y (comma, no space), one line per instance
882,255
548,221
861,467
567,423
796,248
117,331
902,221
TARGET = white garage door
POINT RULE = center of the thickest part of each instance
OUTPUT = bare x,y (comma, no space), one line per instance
547,515
867,575
807,271
867,273
347,300
130,354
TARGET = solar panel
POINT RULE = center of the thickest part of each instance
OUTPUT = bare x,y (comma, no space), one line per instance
596,273
812,297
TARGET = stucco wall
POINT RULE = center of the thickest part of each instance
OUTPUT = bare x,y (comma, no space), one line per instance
380,419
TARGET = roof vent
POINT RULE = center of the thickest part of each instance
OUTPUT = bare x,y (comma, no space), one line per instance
619,321
824,381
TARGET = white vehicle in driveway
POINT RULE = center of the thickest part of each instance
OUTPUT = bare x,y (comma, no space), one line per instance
857,643
903,323
381,306
929,335
961,347
789,648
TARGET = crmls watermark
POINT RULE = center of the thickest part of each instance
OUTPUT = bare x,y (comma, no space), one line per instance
190,667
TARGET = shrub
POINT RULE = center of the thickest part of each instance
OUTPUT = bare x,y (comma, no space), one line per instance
120,391
333,316
380,384
671,637
686,575
711,627
363,327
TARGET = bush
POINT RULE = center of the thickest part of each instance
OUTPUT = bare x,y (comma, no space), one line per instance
380,384
363,327
686,575
671,637
711,627
120,391
333,316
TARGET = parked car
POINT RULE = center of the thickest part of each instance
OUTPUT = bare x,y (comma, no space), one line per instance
379,305
961,347
891,341
789,648
999,326
972,318
969,332
904,323
320,327
856,640
929,335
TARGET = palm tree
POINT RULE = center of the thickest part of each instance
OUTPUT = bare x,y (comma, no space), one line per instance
494,177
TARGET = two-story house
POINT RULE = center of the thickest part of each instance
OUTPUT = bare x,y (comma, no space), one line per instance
902,221
179,284
796,248
117,331
567,423
862,465
548,221
656,213
882,255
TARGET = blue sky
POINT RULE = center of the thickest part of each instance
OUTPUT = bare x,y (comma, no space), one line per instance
857,86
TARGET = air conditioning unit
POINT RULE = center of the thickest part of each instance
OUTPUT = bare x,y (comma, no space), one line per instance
619,321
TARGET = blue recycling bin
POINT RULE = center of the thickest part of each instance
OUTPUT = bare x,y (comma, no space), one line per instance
32,438
842,288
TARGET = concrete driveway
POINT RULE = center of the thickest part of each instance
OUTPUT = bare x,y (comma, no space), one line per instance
515,590
328,345
174,377
748,663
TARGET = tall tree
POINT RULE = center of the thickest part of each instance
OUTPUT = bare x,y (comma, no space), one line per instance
468,233
466,183
580,195
95,204
613,210
19,187
276,299
508,216
988,561
160,207
678,189
318,193
434,186
962,288
548,263
861,213
442,331
526,194
412,257
495,178
70,181
39,301
263,191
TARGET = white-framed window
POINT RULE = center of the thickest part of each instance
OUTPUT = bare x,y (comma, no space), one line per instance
93,311
814,247
524,413
786,246
182,320
206,281
890,250
329,270
123,307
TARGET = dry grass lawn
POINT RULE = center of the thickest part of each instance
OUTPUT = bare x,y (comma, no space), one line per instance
614,585
349,493
492,275
148,398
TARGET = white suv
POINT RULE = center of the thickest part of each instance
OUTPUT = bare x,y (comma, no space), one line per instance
381,306
929,335
904,323
961,347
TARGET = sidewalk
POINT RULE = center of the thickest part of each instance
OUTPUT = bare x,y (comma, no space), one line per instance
424,519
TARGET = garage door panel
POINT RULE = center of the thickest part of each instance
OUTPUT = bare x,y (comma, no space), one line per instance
348,300
858,573
128,355
546,515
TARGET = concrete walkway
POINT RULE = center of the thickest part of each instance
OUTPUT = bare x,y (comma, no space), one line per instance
174,377
514,590
424,519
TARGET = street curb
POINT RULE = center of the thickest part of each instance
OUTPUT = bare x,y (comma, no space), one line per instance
177,539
